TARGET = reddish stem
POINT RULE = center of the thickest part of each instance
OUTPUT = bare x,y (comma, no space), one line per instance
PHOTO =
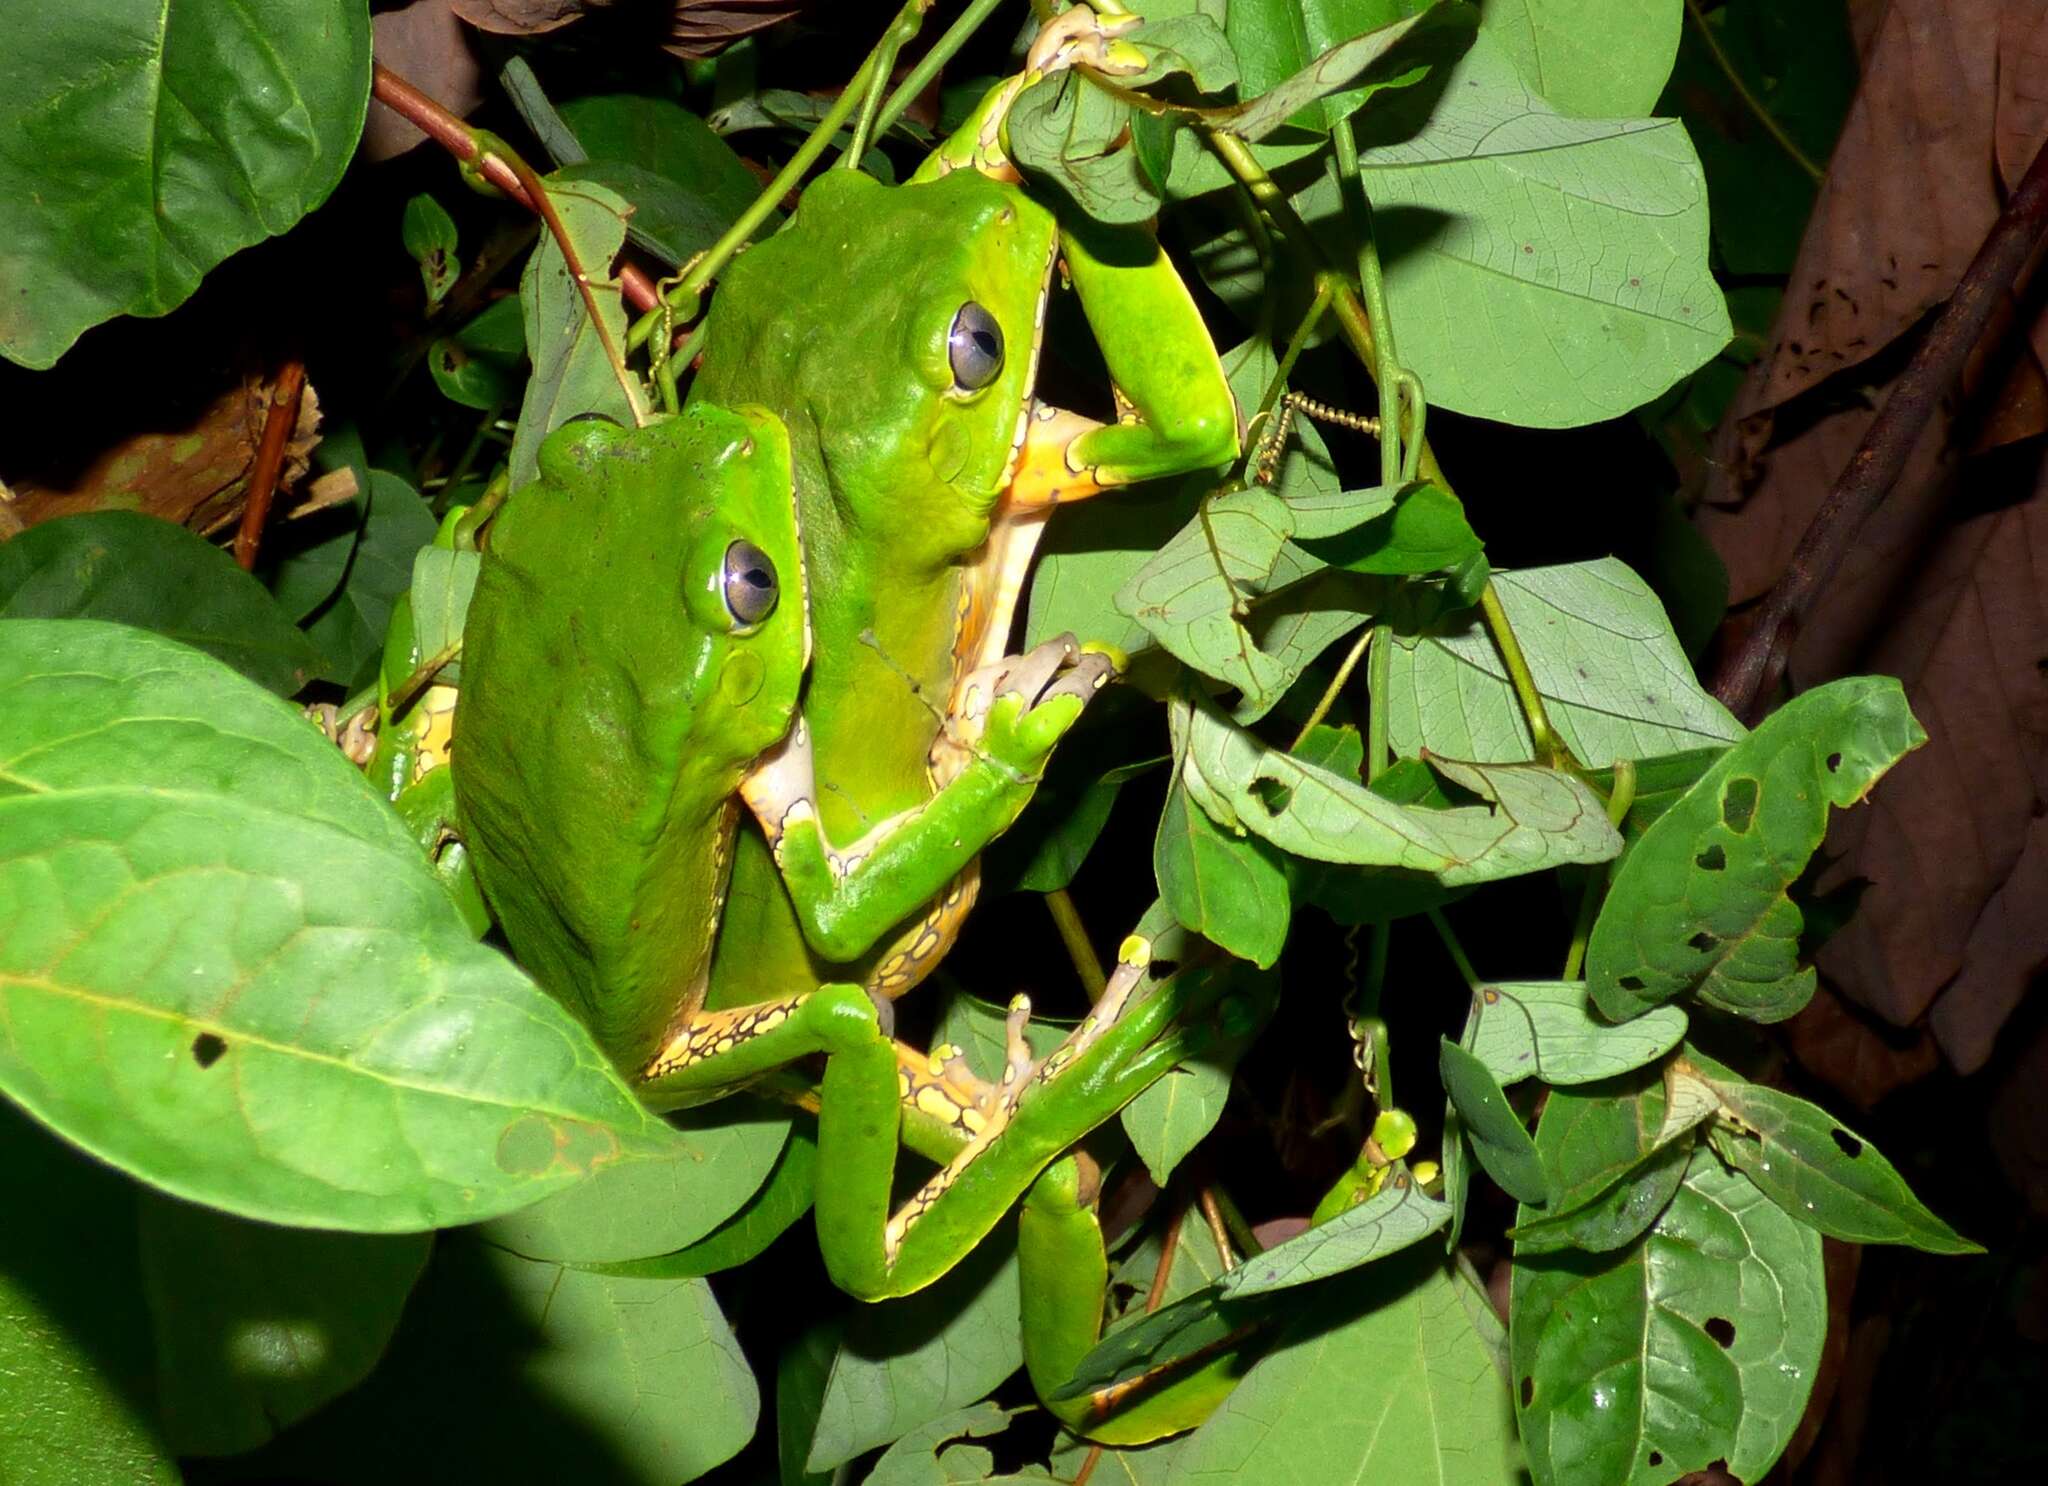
1753,670
278,423
441,126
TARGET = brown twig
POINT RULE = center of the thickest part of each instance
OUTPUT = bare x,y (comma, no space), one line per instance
278,423
1753,670
454,136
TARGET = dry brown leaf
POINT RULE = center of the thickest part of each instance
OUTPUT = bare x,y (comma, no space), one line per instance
2018,1123
174,461
1908,196
2022,104
426,45
524,17
1862,1060
1942,588
703,28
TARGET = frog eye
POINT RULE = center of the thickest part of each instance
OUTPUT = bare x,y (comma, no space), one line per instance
750,586
974,346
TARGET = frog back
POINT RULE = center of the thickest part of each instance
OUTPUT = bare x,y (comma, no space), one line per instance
619,674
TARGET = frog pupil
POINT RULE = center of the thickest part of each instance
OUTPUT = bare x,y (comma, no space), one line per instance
974,347
750,587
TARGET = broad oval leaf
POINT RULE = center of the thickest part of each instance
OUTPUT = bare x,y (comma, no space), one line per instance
1613,1159
225,969
1230,889
75,1360
1599,59
1545,1029
257,1326
1394,1217
1614,680
1435,1413
1699,906
904,1363
1694,1346
148,142
655,1204
128,568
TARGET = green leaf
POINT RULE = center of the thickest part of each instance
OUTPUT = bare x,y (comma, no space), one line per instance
782,1199
134,569
1533,818
659,135
1612,1158
800,1377
1695,1346
1092,551
1174,1115
923,1457
144,144
1598,59
1819,1170
573,369
1491,1125
1045,849
257,1326
1229,889
1394,1217
1422,530
226,969
76,1361
482,365
658,1203
349,629
1699,906
669,220
1545,1029
905,1363
1073,140
530,101
1392,56
430,238
1797,59
505,1369
1614,680
442,584
1436,1411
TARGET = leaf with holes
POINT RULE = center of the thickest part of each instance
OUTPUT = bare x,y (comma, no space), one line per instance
1695,1346
1613,1159
1530,818
1545,1029
1699,906
1495,1131
1818,1169
226,969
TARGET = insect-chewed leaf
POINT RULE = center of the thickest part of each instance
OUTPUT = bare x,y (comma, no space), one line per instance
1613,1160
1818,1169
1700,903
1693,1346
226,969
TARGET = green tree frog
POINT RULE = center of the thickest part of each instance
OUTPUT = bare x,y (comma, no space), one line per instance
629,653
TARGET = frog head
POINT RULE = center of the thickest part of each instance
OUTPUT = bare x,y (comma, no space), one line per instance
896,331
637,638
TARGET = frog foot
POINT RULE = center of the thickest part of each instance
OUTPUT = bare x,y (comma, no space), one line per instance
1014,711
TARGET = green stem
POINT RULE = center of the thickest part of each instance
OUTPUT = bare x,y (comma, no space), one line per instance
886,51
1749,100
1387,370
1550,750
682,298
1366,1012
928,66
1329,696
1619,800
1456,950
1074,934
1379,672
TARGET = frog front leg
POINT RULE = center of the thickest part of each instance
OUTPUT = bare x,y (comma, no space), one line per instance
847,897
